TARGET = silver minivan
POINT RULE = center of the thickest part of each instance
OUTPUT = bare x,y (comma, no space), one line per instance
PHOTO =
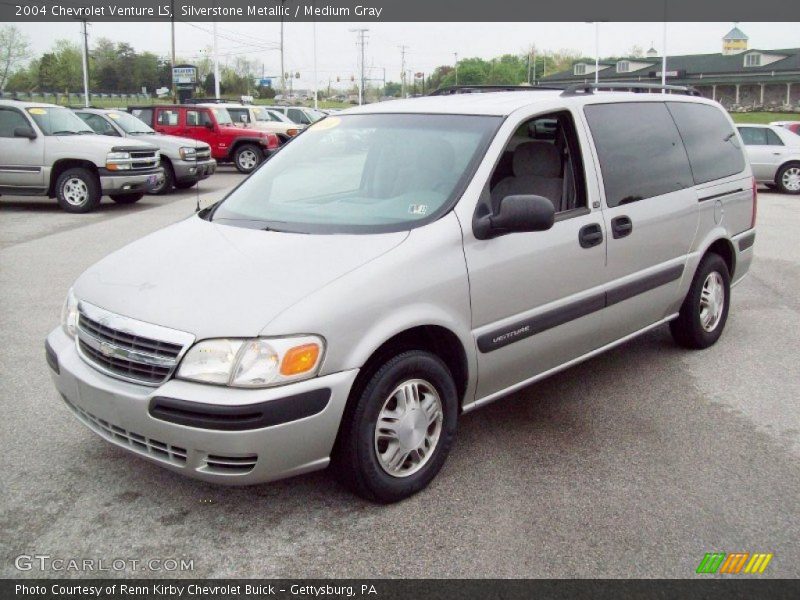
400,264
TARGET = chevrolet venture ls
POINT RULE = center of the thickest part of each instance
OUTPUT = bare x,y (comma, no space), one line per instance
399,264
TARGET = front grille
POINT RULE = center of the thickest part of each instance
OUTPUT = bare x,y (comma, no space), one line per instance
203,153
126,368
139,443
126,354
143,159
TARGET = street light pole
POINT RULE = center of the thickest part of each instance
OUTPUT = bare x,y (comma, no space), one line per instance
172,64
85,64
216,64
596,52
664,59
456,55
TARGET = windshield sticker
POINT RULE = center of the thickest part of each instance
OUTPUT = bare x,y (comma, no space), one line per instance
324,124
418,209
37,111
113,116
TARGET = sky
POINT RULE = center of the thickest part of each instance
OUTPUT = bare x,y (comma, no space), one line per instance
428,44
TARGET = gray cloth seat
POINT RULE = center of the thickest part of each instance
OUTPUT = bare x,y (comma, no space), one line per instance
537,170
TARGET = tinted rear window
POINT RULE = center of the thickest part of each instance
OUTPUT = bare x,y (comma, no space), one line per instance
640,151
711,143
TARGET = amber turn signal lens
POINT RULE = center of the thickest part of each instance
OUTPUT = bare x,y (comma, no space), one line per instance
300,359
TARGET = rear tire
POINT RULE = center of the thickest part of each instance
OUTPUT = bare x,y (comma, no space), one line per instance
396,437
78,190
126,198
705,310
247,157
788,178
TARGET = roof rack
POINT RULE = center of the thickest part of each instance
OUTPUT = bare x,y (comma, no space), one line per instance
477,89
633,86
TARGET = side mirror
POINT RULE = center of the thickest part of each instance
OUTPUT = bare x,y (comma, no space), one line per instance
516,214
25,132
210,126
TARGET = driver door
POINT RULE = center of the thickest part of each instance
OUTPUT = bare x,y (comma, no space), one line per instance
535,297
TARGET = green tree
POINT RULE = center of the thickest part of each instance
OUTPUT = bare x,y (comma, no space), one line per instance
13,52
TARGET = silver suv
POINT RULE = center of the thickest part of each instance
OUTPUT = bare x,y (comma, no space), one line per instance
185,161
399,264
45,150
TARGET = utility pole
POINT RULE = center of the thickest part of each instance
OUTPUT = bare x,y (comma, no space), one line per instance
403,71
283,71
664,56
216,64
85,64
456,55
361,31
172,64
315,64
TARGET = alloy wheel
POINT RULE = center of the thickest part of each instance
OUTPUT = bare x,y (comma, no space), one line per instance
408,428
712,301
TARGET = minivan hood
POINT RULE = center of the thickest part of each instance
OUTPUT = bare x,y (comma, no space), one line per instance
215,280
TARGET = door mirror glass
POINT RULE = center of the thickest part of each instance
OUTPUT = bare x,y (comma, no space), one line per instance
25,132
518,213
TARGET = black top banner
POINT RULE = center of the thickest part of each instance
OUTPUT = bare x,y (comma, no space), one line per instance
398,10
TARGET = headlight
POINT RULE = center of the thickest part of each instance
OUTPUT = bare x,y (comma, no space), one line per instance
69,314
118,161
253,363
188,153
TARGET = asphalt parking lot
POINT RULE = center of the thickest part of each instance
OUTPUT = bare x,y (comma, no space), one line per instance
633,464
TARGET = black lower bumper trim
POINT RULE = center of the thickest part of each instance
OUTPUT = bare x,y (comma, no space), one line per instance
240,417
52,359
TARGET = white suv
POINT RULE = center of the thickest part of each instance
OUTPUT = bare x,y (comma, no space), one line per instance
46,150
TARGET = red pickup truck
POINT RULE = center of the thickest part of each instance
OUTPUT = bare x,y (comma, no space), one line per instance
245,148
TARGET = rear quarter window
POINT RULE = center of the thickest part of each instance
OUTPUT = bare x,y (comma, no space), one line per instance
712,146
640,151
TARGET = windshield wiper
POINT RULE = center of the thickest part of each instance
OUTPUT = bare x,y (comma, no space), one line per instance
65,132
86,132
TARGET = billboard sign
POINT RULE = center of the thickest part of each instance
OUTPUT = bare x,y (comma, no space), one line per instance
184,75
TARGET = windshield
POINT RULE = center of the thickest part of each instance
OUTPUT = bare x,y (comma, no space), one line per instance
315,115
55,120
261,114
129,123
362,174
223,118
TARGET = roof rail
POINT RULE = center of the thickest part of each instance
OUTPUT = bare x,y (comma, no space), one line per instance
633,86
477,89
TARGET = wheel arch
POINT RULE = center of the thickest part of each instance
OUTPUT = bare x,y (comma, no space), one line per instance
62,165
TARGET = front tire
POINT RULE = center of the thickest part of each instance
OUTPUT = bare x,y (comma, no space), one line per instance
126,198
168,182
788,178
78,190
705,310
185,185
247,157
397,435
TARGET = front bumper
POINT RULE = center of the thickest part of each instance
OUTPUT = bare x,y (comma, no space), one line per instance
193,170
120,412
124,182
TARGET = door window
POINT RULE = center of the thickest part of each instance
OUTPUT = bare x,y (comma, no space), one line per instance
753,136
9,120
773,139
641,153
714,151
542,158
168,118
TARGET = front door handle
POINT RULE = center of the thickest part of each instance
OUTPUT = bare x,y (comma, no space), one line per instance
621,226
590,235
